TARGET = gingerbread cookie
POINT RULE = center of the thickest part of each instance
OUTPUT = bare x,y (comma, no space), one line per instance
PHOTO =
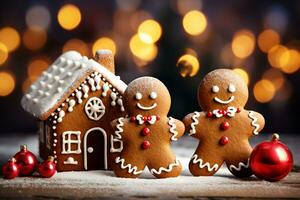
146,134
224,126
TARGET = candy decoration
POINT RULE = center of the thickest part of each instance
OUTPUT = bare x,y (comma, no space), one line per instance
224,140
10,169
224,126
146,131
209,114
47,168
26,161
271,160
146,144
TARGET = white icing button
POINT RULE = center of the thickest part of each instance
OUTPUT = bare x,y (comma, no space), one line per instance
231,88
138,96
90,149
153,95
215,89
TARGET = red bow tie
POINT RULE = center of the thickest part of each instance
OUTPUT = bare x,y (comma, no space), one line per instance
142,119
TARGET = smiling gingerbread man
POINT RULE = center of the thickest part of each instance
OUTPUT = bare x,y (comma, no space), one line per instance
224,126
144,137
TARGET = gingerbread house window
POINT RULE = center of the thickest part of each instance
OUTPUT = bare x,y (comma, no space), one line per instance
94,108
71,142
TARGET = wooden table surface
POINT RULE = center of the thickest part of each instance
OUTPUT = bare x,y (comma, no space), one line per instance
104,185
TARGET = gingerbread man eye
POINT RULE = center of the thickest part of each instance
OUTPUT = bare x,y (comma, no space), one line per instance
231,88
153,95
215,89
138,96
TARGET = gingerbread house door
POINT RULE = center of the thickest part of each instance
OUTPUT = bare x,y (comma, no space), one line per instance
95,149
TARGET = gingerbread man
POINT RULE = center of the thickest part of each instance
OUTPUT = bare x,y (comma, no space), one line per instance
224,126
144,136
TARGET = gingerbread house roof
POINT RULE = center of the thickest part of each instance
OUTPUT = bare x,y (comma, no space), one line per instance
60,80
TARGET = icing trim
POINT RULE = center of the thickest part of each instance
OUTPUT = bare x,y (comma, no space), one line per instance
118,137
239,167
70,161
203,164
86,148
173,128
146,107
131,169
168,169
216,99
254,122
195,122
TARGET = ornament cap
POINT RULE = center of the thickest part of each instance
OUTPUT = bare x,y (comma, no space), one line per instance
50,158
13,159
23,147
275,137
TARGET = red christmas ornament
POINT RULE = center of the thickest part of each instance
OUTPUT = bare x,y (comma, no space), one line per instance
223,140
10,169
47,168
146,144
26,161
271,160
146,131
224,126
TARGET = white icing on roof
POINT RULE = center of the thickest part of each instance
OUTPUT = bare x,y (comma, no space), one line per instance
56,82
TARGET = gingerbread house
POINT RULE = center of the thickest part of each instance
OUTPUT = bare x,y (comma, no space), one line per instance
75,99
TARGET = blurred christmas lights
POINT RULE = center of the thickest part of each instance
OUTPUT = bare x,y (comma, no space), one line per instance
69,16
243,73
36,67
7,83
149,31
268,39
194,22
77,45
243,43
34,38
104,43
38,17
10,38
144,51
3,53
264,91
188,65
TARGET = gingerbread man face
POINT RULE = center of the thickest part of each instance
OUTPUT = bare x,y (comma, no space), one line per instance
222,88
147,96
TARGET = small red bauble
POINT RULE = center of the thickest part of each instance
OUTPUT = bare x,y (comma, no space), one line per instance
47,168
26,161
223,140
271,160
132,118
209,114
157,117
146,131
238,110
10,169
149,118
146,144
224,126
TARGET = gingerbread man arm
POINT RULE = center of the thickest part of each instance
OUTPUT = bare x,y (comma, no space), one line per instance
257,122
191,122
176,128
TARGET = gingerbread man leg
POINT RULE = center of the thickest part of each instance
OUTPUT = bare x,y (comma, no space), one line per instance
238,164
205,163
128,166
166,168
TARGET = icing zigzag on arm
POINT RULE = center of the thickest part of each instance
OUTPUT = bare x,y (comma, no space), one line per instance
194,123
118,136
168,169
173,129
254,122
239,167
131,169
203,164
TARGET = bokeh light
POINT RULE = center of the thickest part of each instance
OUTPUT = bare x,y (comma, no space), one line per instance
36,67
7,83
3,53
243,43
38,17
77,45
10,38
149,31
290,61
69,16
264,91
276,56
104,43
243,73
138,17
144,51
188,65
194,22
275,76
268,39
34,38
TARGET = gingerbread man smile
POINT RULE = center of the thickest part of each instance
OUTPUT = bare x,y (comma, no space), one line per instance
231,89
139,96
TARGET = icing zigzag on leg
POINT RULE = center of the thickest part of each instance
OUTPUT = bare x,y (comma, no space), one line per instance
203,164
131,169
173,129
254,122
239,167
194,123
168,169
